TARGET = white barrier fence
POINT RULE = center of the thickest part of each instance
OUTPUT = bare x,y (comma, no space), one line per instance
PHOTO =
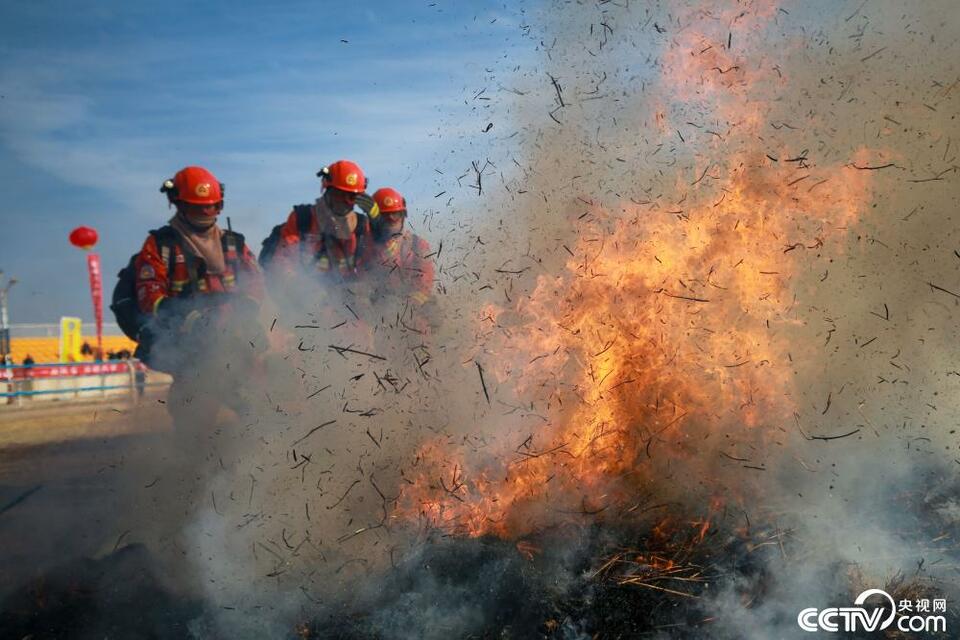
22,384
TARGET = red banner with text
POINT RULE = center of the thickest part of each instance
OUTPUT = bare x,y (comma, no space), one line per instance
96,292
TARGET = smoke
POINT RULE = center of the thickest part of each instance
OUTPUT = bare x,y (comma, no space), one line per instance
282,508
640,136
640,112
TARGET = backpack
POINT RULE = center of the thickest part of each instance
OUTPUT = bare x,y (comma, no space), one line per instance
124,301
269,248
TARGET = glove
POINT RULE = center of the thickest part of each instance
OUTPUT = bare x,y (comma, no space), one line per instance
368,205
191,321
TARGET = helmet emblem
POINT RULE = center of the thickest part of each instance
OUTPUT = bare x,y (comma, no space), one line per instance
202,189
388,201
351,179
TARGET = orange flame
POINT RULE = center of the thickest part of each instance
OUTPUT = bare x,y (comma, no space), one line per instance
668,323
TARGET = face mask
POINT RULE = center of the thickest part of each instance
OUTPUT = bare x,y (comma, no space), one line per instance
393,227
201,221
198,216
391,224
344,226
340,203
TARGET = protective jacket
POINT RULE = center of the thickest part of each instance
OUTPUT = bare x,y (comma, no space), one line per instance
327,243
405,266
166,271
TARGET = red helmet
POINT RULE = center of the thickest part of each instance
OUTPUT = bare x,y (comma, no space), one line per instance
343,175
389,200
195,185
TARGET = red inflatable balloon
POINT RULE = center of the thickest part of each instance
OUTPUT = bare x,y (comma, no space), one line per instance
83,237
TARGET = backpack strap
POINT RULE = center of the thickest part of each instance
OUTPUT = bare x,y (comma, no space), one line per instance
304,218
304,213
361,231
270,244
166,239
168,242
233,245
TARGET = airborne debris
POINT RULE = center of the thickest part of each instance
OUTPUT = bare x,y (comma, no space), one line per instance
483,382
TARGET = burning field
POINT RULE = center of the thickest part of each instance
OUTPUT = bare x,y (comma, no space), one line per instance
690,370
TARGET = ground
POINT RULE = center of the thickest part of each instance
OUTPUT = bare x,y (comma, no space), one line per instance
59,480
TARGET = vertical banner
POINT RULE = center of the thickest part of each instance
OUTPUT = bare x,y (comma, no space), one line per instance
71,339
96,291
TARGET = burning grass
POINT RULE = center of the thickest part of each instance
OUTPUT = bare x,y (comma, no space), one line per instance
667,329
600,582
677,580
670,338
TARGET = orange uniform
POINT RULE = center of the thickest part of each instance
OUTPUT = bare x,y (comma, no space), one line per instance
165,271
329,244
405,266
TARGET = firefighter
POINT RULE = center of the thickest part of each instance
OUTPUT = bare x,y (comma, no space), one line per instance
199,287
328,236
401,262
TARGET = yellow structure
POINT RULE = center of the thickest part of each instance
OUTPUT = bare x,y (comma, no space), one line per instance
47,349
71,340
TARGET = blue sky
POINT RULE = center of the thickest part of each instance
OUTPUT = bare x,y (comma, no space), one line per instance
100,102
